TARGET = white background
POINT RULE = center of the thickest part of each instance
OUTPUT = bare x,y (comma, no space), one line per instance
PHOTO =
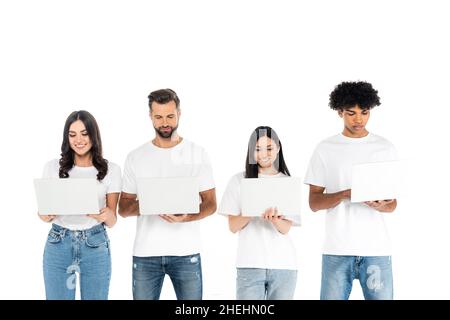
235,65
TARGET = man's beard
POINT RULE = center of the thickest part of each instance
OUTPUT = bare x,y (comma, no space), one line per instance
166,135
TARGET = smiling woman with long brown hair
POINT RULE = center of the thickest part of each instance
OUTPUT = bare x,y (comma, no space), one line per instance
79,243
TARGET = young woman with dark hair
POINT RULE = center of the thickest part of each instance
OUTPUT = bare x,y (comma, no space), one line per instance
266,259
79,243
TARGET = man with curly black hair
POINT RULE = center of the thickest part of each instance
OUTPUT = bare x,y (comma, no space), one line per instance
357,244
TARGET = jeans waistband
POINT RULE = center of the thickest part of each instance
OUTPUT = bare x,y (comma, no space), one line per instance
95,229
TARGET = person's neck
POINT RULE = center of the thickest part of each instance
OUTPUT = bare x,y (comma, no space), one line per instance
83,161
167,142
268,171
351,134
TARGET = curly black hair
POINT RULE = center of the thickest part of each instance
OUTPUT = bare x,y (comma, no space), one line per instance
349,94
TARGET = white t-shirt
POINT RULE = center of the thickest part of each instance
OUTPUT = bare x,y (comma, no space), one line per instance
111,183
351,228
260,244
155,236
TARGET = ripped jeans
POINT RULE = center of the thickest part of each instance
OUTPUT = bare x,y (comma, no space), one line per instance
185,272
68,252
374,274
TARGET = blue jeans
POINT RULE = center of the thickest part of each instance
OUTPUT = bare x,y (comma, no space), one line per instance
265,284
85,252
374,274
185,272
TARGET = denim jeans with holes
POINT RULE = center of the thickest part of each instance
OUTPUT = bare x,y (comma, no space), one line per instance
185,272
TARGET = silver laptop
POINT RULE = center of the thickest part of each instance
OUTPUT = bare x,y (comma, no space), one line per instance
259,194
168,195
67,196
376,181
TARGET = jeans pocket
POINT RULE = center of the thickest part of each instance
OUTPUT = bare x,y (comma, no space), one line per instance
97,240
53,237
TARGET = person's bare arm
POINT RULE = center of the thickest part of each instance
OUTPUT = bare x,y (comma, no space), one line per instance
318,200
128,206
207,208
237,223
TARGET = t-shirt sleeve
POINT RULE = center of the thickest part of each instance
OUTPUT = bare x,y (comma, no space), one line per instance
231,200
129,183
206,178
316,174
115,183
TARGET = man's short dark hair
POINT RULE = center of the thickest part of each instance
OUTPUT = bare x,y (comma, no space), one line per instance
163,96
349,94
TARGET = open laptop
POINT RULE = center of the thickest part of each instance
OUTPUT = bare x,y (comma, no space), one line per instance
66,196
168,195
259,194
376,181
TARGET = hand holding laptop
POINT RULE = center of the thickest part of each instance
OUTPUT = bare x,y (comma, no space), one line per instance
376,204
174,218
379,204
104,214
47,218
272,214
